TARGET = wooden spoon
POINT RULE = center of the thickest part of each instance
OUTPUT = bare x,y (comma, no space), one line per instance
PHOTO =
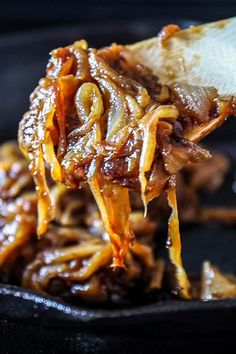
202,55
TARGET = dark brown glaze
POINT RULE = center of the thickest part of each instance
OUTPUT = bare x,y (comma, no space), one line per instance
72,260
102,118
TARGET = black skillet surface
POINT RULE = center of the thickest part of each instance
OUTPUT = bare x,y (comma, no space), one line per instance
31,323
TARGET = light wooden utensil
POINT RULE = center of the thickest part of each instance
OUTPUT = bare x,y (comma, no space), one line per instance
202,55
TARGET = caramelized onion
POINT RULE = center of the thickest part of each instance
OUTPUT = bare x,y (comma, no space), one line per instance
176,155
113,203
215,284
175,246
89,105
98,117
167,32
194,101
149,126
73,258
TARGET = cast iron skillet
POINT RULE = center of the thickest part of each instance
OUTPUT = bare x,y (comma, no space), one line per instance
31,323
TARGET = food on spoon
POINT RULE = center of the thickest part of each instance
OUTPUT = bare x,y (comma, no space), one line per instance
101,118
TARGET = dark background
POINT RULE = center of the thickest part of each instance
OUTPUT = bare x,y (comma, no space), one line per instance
28,325
25,14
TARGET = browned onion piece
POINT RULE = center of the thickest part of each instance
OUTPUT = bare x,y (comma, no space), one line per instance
194,101
148,125
98,117
216,285
167,32
113,203
175,246
176,155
